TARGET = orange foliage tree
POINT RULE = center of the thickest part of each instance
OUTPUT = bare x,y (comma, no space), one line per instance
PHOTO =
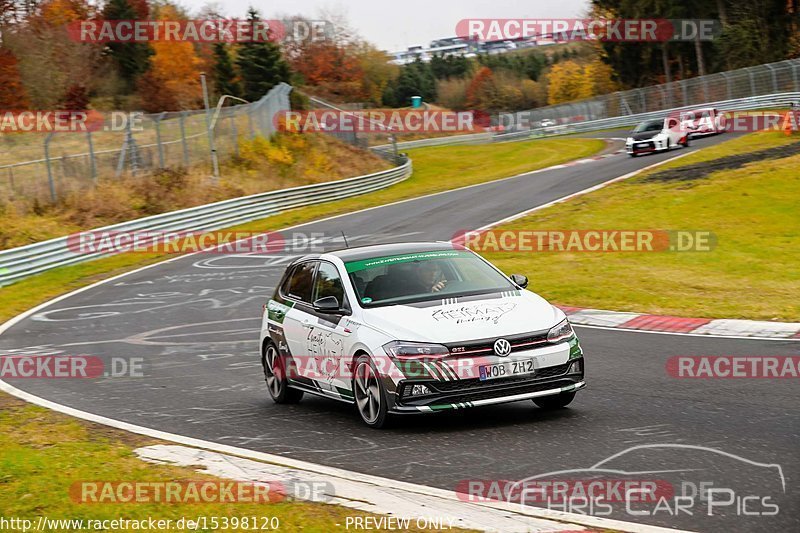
481,91
332,67
12,92
173,81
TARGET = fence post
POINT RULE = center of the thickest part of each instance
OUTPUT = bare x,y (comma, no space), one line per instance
250,124
50,180
212,148
184,143
727,85
235,133
752,81
157,120
774,78
92,162
795,65
11,179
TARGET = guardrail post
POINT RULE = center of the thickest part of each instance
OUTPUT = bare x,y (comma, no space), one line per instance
184,143
92,161
50,178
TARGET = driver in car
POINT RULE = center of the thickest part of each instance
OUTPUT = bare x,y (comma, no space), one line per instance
430,276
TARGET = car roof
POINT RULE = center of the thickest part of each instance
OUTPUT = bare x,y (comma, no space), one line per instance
382,250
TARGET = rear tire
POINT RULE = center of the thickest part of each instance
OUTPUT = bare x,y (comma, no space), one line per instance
369,395
275,376
556,401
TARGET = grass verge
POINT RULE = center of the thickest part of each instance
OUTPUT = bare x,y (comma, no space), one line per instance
436,169
43,453
751,273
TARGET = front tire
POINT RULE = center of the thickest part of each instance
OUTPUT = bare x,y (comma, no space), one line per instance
370,397
275,375
556,401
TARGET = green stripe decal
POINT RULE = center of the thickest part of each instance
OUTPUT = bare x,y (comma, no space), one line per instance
277,311
575,348
355,266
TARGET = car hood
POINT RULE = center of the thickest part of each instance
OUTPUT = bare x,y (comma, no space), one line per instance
469,318
643,136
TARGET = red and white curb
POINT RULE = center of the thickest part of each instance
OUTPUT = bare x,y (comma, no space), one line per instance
724,327
587,160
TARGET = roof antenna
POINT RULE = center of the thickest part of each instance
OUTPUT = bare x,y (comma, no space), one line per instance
345,240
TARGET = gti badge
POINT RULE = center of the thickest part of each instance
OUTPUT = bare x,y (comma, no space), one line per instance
502,347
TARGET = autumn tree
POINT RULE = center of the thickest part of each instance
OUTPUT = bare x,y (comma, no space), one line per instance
12,93
377,71
173,81
565,82
50,62
61,12
481,92
597,79
75,99
261,65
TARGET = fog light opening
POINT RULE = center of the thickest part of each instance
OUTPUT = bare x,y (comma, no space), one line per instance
576,367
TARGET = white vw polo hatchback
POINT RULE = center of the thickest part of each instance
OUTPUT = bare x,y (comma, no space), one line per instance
414,327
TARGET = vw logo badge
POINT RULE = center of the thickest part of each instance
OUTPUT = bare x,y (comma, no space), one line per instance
502,347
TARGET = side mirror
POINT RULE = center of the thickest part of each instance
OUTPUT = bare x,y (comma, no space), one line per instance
519,280
328,304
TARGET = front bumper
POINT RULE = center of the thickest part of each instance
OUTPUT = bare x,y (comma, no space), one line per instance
464,393
645,147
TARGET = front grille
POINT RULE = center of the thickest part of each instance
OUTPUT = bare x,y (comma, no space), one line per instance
477,384
526,341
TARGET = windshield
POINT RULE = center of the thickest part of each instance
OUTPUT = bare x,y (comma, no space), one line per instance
650,125
408,278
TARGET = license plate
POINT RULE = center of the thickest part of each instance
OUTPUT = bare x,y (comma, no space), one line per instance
640,145
511,368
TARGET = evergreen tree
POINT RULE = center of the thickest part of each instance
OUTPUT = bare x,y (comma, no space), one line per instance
224,73
261,65
416,79
132,59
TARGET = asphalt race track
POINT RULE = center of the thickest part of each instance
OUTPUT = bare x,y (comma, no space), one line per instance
195,323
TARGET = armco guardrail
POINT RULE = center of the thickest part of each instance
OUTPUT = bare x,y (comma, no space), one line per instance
450,140
19,263
769,101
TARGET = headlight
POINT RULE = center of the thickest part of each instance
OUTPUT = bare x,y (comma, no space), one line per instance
561,331
629,140
415,350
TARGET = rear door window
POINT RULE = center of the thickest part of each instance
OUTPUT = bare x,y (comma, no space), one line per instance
301,282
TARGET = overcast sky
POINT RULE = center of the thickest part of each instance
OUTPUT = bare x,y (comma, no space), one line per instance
396,24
